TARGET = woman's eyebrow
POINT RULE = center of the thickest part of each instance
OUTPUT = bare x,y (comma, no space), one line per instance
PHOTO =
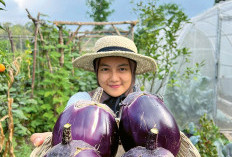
123,65
103,64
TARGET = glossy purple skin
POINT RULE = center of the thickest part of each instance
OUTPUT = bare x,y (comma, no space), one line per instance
65,150
91,124
139,114
143,152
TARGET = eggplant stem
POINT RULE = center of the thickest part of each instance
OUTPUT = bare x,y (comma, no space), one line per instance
152,139
67,136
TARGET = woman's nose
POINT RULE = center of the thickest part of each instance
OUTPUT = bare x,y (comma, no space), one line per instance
114,76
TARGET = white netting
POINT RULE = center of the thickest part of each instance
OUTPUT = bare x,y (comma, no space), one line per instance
209,38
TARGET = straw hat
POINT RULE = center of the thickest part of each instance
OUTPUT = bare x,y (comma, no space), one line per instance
116,46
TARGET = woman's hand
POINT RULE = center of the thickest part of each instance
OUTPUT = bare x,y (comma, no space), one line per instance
38,138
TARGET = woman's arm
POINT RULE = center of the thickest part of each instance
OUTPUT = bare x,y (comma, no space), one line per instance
78,96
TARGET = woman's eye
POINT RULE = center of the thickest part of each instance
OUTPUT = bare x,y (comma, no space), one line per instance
104,69
122,69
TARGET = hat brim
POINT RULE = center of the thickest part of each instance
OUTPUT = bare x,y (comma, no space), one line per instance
144,63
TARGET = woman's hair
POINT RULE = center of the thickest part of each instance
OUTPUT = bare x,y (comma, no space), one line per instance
132,65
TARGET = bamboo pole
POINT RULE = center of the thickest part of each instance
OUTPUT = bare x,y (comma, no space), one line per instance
2,136
61,42
94,23
46,53
116,30
9,149
100,32
73,35
11,41
10,125
36,23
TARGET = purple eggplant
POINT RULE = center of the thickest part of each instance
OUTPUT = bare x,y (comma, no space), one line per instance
140,112
71,148
151,149
140,151
92,122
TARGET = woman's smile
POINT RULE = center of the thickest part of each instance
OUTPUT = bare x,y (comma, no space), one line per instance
114,86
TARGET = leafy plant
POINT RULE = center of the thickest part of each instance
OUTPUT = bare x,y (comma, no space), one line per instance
22,148
156,37
55,83
11,87
99,11
207,138
52,89
189,98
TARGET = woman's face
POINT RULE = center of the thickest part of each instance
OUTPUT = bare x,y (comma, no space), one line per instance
114,75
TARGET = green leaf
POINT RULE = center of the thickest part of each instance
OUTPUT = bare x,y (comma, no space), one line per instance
49,93
31,102
21,130
19,114
1,1
48,115
142,88
61,46
36,123
13,89
46,107
30,109
15,105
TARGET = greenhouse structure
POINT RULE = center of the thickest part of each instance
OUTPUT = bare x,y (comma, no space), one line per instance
209,37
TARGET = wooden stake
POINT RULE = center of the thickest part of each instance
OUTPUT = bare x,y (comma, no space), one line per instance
61,42
46,52
116,30
11,41
73,35
36,23
94,23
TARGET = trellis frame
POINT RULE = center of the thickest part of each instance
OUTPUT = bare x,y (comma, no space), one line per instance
94,34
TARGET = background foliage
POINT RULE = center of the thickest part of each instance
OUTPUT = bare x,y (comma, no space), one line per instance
52,90
99,11
155,36
208,139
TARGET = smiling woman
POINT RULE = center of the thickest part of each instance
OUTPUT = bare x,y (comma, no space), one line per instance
115,62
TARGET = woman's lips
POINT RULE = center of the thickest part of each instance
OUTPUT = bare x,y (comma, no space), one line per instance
114,86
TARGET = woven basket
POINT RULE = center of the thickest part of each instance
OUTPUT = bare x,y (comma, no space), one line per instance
187,149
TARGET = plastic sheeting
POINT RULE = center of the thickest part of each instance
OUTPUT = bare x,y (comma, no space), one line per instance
209,38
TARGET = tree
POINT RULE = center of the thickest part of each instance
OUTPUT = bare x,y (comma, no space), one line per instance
99,11
218,1
156,36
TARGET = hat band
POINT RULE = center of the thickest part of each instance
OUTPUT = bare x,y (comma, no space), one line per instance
114,48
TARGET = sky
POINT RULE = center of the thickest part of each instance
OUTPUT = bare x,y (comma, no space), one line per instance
75,10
